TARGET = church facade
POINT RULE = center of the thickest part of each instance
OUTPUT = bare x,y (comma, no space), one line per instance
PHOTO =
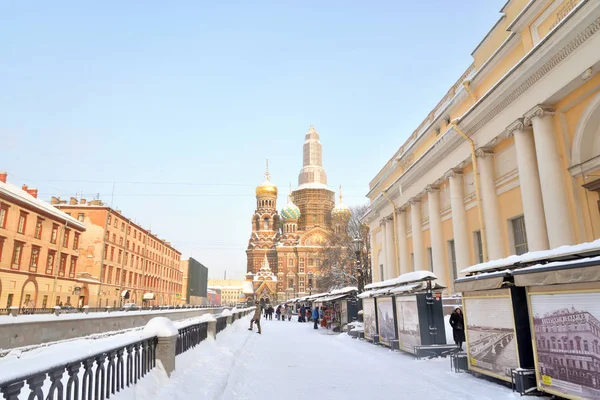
284,247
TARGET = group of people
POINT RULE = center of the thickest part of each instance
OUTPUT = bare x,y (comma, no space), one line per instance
283,312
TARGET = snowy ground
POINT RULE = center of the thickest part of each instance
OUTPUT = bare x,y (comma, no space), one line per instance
293,361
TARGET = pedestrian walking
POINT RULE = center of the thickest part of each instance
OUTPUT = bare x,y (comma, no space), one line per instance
278,312
315,316
302,314
256,318
289,313
457,323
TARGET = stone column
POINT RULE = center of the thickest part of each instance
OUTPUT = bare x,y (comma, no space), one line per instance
417,234
374,268
491,208
390,253
435,232
402,242
165,352
554,189
212,329
384,251
531,192
459,219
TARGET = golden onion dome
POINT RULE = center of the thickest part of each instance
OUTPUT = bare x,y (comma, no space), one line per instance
341,210
267,187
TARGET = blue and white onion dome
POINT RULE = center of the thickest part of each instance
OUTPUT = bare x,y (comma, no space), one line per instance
290,211
341,210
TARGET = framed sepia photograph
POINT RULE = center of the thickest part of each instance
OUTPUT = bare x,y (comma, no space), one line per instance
385,316
490,333
566,327
409,333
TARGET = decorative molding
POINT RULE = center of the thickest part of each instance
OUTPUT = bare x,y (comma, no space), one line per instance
509,186
432,188
453,172
535,26
414,200
539,74
518,125
483,152
538,111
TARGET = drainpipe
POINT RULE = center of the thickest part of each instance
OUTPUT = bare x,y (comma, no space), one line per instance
454,125
395,232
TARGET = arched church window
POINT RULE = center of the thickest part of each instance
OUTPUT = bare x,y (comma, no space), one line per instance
266,224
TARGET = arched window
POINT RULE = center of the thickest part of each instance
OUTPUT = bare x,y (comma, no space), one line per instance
266,224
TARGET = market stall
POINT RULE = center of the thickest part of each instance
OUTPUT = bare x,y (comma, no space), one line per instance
534,319
405,313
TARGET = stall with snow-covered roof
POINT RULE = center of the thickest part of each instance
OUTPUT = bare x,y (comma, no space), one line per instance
341,306
550,303
405,313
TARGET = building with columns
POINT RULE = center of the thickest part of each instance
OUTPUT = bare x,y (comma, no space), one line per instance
288,243
509,159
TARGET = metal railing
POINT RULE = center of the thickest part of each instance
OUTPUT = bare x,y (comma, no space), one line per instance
103,375
221,324
190,337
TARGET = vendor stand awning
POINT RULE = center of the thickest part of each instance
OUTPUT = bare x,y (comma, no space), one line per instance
148,296
485,281
560,272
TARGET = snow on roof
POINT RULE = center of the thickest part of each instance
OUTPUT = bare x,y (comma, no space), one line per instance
312,185
345,290
414,276
556,264
37,204
248,287
534,256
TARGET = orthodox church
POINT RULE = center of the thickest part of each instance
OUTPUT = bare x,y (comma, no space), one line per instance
284,247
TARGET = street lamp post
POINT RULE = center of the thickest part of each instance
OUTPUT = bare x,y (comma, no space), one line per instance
357,242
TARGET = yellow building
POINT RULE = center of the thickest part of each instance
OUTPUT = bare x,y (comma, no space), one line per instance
40,253
509,159
231,290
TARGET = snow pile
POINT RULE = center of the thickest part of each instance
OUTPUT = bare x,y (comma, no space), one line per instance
235,310
207,318
226,313
409,277
161,327
533,256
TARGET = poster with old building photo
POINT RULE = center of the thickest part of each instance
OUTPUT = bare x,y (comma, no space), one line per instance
409,333
385,317
490,335
369,317
567,341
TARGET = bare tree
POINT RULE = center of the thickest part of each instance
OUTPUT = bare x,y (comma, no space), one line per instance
339,262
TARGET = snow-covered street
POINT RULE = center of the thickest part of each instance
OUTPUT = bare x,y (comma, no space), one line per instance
291,360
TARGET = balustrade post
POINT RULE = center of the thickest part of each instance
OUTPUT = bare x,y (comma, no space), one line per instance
212,329
229,320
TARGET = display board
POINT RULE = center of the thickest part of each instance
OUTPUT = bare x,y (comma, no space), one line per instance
490,334
566,328
369,317
385,317
409,333
344,312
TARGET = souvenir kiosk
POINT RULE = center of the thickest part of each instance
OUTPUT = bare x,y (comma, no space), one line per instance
534,320
406,313
341,307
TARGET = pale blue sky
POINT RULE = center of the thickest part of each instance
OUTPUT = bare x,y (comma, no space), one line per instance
198,92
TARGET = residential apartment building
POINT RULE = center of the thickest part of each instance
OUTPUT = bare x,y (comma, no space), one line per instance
40,250
132,264
509,159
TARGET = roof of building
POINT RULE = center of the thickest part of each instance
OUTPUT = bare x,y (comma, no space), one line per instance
21,195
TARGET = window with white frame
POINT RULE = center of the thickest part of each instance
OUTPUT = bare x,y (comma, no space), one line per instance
519,235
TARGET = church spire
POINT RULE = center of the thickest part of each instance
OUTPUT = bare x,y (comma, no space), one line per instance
312,173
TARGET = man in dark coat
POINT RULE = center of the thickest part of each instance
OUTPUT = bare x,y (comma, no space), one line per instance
315,316
457,323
